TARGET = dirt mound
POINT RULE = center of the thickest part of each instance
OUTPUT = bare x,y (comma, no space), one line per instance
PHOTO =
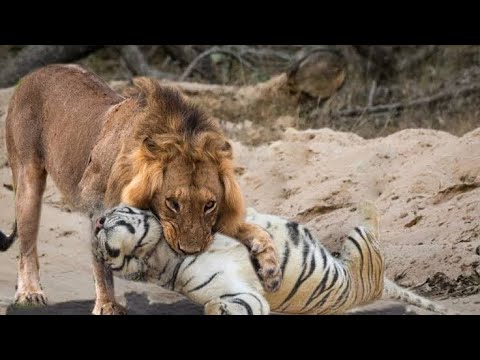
425,183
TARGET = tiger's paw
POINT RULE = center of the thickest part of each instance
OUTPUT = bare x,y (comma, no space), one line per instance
109,308
216,308
266,263
235,306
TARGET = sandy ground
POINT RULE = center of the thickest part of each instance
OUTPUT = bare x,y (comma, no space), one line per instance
425,183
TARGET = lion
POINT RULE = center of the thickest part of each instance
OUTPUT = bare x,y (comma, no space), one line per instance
149,148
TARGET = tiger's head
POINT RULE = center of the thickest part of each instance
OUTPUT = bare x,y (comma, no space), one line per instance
124,238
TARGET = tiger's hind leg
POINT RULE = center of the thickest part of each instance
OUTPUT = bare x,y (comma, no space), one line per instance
238,304
362,256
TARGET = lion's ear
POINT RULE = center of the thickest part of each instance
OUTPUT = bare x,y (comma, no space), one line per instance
227,150
150,145
232,210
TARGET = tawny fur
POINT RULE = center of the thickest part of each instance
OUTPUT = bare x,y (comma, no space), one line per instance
224,281
101,148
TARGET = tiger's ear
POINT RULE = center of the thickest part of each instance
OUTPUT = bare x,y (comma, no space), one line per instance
232,209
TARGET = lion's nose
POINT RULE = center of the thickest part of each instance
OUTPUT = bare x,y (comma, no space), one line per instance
188,250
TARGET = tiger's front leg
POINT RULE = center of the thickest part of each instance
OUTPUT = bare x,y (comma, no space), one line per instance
238,304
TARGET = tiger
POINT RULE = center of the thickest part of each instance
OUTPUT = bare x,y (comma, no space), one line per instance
223,278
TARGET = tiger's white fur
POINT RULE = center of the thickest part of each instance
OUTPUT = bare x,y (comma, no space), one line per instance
224,280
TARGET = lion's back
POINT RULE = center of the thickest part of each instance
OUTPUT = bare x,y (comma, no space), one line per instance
56,115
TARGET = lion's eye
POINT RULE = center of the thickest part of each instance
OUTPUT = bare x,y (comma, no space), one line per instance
173,205
209,206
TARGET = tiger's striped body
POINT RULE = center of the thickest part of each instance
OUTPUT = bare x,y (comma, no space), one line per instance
224,280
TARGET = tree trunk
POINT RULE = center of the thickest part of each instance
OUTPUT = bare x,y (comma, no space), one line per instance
35,56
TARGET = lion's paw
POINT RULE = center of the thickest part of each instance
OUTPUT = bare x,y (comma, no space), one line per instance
109,308
30,298
266,263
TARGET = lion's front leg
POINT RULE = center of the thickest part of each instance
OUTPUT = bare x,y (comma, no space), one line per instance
263,254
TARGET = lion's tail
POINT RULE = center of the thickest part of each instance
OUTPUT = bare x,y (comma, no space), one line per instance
7,241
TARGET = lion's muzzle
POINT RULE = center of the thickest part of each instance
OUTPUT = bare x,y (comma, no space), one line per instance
187,241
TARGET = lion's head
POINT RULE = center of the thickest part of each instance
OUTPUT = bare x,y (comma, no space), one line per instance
180,165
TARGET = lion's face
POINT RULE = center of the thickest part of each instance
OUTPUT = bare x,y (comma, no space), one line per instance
187,204
178,164
192,198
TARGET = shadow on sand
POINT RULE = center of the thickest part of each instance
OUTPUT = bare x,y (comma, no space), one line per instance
138,304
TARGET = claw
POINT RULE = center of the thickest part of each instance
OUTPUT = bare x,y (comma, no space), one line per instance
30,299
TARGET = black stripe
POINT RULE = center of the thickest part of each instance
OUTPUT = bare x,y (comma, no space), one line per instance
362,235
236,294
146,228
306,249
342,296
313,266
359,232
324,256
323,299
357,245
173,280
259,301
301,279
309,236
129,227
295,287
231,295
328,291
293,232
202,285
188,281
244,304
369,262
191,262
318,290
286,255
163,270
